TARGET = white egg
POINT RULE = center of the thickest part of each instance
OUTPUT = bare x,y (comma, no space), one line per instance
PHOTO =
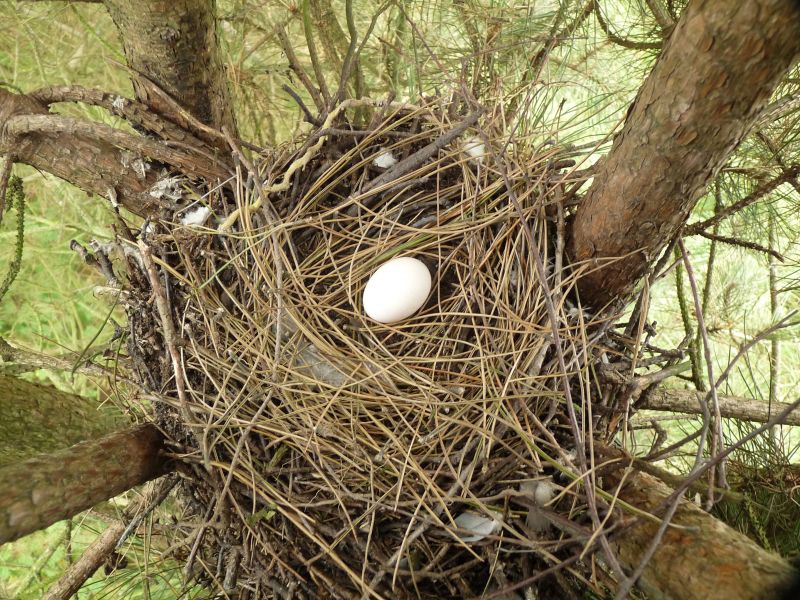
397,289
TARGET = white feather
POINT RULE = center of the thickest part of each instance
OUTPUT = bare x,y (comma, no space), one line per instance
479,525
198,216
385,159
476,149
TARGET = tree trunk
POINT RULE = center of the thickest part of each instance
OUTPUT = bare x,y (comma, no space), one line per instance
36,419
733,407
715,74
170,46
703,559
173,44
48,488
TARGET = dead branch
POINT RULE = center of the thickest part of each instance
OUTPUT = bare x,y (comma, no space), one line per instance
420,156
742,244
91,560
717,439
298,70
111,539
731,407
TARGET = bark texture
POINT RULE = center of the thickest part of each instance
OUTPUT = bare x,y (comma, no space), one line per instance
48,488
36,419
704,559
735,407
173,44
715,74
96,166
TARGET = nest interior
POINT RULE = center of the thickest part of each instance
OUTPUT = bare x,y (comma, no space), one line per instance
329,455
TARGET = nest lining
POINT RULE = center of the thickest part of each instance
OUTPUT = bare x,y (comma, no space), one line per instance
337,455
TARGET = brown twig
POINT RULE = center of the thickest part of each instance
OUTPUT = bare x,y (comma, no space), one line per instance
297,68
731,407
688,329
299,101
788,175
416,159
743,244
313,55
350,56
168,328
167,485
717,440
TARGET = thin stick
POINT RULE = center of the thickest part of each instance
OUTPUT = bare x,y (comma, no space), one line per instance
347,65
312,53
97,552
743,244
299,101
170,336
161,495
717,441
416,159
298,69
790,174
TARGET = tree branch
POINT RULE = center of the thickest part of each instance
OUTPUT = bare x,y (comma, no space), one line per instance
134,112
94,165
742,244
678,135
699,557
731,407
50,487
111,539
189,163
789,174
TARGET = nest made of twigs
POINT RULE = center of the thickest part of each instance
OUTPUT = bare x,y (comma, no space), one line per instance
337,456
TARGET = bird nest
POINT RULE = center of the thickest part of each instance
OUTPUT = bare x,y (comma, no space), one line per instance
329,455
